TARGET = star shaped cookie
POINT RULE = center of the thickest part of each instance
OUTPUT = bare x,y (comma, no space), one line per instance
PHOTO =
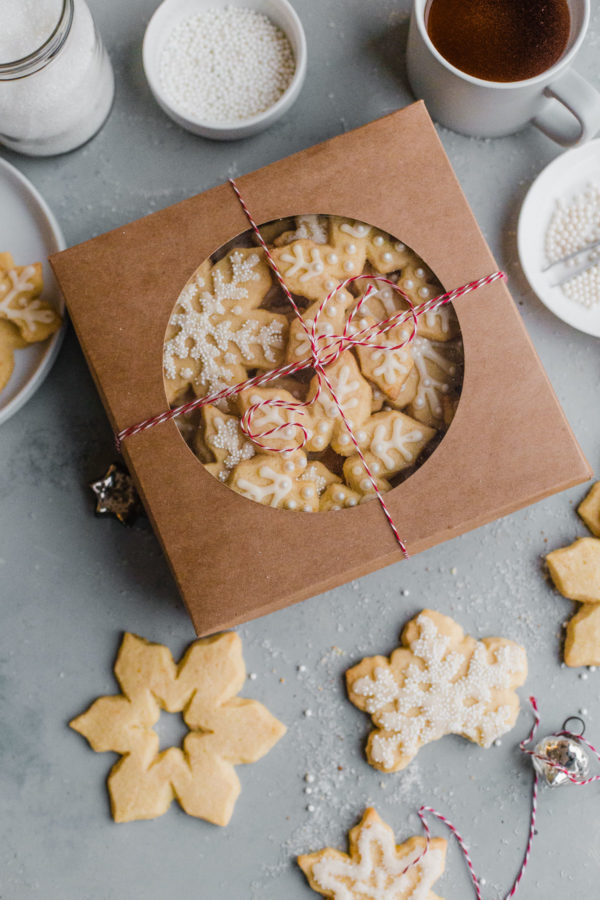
375,867
224,730
440,681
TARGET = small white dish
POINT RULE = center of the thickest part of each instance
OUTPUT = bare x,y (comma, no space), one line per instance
171,12
30,232
565,177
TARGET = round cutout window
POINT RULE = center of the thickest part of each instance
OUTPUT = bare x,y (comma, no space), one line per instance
232,322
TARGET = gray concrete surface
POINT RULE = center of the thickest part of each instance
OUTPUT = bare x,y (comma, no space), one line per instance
70,584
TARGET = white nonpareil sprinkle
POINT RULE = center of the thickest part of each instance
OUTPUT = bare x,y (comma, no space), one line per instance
226,65
575,225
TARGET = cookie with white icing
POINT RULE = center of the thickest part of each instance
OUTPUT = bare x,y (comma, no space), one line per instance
331,321
276,481
354,395
386,254
357,478
310,227
216,333
339,496
278,412
320,475
387,368
375,868
225,439
393,443
20,303
439,681
436,372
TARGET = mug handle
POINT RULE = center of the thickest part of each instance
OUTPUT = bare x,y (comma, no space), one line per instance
577,119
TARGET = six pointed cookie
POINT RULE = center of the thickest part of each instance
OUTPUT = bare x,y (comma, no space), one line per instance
225,730
20,303
375,867
440,681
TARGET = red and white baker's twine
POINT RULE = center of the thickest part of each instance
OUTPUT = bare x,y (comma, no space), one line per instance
423,810
324,350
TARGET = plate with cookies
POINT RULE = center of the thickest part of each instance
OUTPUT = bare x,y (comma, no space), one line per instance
31,309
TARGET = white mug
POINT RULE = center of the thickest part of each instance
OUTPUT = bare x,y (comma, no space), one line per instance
559,102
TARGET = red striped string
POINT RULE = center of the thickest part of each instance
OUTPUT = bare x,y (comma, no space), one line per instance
323,352
424,810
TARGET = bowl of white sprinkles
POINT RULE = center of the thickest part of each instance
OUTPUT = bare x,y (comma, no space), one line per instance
225,70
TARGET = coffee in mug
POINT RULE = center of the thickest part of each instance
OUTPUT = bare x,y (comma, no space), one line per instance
500,40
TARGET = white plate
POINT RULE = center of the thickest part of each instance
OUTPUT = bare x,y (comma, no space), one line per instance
30,232
566,176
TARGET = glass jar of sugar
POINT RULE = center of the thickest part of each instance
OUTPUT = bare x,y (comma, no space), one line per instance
56,80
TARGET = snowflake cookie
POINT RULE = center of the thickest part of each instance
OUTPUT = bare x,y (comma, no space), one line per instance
376,868
440,681
20,304
216,332
225,730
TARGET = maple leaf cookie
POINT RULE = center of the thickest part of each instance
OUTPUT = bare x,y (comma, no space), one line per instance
440,681
20,304
224,730
589,510
375,867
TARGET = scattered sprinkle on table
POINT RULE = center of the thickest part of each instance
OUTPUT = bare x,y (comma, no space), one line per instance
226,64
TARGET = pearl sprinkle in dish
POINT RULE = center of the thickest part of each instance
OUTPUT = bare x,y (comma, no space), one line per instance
574,226
226,64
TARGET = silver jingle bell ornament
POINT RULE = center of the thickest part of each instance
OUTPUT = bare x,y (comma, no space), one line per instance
562,751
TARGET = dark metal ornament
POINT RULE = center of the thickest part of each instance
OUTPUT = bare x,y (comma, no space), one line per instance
563,751
116,495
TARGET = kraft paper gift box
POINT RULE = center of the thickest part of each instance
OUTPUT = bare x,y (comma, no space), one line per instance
233,559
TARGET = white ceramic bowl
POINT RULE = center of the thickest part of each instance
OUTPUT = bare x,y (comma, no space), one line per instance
171,12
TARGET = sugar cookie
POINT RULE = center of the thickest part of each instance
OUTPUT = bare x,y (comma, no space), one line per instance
339,496
273,416
575,570
216,332
20,304
388,368
276,481
225,730
436,367
589,509
582,640
440,681
375,867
